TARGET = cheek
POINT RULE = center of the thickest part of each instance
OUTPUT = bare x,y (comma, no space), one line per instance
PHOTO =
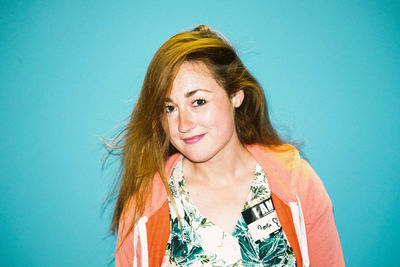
164,124
168,129
168,126
220,116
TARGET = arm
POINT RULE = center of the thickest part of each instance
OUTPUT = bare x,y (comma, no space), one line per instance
322,237
125,249
157,228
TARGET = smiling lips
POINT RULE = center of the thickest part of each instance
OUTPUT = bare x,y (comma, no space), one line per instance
193,139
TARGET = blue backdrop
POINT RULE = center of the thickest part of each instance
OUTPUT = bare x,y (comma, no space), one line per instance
71,72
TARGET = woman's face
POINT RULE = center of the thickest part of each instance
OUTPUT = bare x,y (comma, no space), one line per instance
199,116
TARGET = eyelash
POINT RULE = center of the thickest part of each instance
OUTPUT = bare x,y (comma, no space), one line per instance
197,103
202,102
169,109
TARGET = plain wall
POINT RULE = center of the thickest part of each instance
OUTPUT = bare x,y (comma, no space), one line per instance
71,72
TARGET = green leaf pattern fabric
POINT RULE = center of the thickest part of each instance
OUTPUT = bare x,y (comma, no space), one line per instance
196,241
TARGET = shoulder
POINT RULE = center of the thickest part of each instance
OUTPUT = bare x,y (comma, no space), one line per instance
158,194
157,213
283,159
288,174
160,182
293,179
280,163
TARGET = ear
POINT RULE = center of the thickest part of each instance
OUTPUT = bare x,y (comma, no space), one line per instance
237,99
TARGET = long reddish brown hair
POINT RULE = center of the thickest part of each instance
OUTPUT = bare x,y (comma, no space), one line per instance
144,144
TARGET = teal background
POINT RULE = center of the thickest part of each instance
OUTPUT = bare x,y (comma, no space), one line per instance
71,71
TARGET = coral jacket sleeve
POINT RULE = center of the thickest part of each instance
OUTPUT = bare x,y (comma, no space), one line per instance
125,248
322,236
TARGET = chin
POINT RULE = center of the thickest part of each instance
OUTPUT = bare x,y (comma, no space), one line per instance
198,157
197,160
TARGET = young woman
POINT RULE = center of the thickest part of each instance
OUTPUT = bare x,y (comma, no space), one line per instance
206,180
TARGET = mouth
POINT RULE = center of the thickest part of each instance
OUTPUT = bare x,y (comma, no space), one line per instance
193,139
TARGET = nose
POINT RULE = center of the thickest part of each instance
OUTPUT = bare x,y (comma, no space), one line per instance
186,121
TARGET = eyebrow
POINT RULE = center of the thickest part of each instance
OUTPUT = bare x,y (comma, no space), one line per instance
189,94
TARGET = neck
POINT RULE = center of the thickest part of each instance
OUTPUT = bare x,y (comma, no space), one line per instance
224,168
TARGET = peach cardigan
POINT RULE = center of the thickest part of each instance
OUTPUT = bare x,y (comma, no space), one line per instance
301,202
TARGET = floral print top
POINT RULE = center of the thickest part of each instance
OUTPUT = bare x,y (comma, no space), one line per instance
196,241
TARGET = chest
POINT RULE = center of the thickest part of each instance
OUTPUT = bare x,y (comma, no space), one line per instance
211,226
221,204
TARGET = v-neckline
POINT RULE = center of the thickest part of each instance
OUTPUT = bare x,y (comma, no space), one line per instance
245,206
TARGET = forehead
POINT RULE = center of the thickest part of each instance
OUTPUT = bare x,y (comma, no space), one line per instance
192,75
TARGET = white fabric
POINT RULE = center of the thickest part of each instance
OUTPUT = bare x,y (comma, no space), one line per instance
141,234
299,225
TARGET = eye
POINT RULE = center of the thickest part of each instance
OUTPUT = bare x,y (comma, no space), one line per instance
169,109
199,102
